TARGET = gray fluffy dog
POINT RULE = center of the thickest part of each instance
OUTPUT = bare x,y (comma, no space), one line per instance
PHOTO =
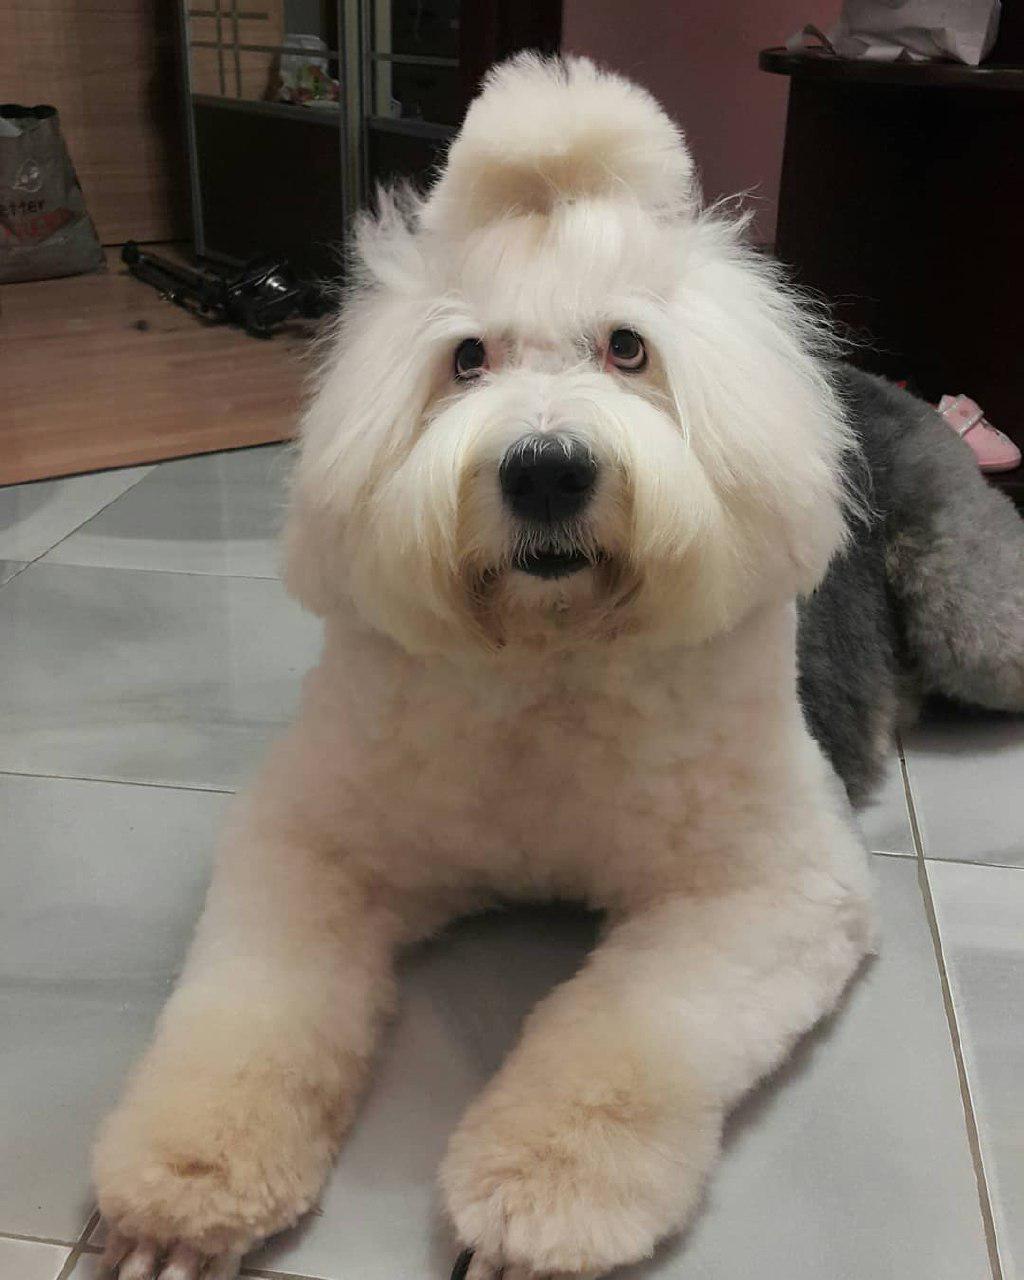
927,599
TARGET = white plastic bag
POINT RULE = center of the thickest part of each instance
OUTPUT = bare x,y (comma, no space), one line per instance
916,29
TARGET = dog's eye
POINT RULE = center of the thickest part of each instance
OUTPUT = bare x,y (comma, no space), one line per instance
470,359
626,350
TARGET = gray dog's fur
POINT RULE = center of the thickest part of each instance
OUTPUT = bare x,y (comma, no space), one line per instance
927,599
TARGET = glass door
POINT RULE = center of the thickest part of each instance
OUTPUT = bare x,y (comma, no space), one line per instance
415,91
296,108
275,166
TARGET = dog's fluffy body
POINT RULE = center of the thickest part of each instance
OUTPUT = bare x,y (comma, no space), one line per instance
630,735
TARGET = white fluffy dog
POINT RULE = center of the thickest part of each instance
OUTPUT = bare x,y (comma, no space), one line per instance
572,459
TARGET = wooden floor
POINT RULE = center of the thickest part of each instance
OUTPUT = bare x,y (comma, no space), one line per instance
98,371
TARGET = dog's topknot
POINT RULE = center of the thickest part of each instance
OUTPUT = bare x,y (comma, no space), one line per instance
550,130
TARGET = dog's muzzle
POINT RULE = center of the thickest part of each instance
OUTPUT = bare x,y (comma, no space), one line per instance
547,481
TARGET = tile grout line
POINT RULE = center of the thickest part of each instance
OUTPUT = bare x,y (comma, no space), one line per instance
970,862
135,568
82,523
970,1120
16,574
941,862
150,468
71,1261
17,1235
118,782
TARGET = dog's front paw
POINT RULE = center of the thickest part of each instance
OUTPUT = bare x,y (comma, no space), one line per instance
548,1183
182,1187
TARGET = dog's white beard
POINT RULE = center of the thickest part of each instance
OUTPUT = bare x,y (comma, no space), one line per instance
434,559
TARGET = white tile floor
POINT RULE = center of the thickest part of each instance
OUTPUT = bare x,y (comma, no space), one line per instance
149,652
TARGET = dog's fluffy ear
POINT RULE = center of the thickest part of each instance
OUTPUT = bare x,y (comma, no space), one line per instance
548,130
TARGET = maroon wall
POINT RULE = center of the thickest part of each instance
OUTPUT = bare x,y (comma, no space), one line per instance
700,59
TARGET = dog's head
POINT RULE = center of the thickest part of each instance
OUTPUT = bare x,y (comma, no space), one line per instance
564,404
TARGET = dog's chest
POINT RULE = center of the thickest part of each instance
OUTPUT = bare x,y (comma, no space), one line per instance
565,789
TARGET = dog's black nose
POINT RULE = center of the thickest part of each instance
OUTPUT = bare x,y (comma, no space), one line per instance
547,477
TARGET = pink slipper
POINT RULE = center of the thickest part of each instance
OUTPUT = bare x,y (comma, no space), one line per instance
994,450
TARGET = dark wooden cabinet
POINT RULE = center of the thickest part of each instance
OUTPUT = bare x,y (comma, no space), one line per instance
900,202
270,179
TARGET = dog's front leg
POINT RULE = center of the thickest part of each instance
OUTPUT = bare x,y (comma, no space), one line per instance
229,1123
595,1138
